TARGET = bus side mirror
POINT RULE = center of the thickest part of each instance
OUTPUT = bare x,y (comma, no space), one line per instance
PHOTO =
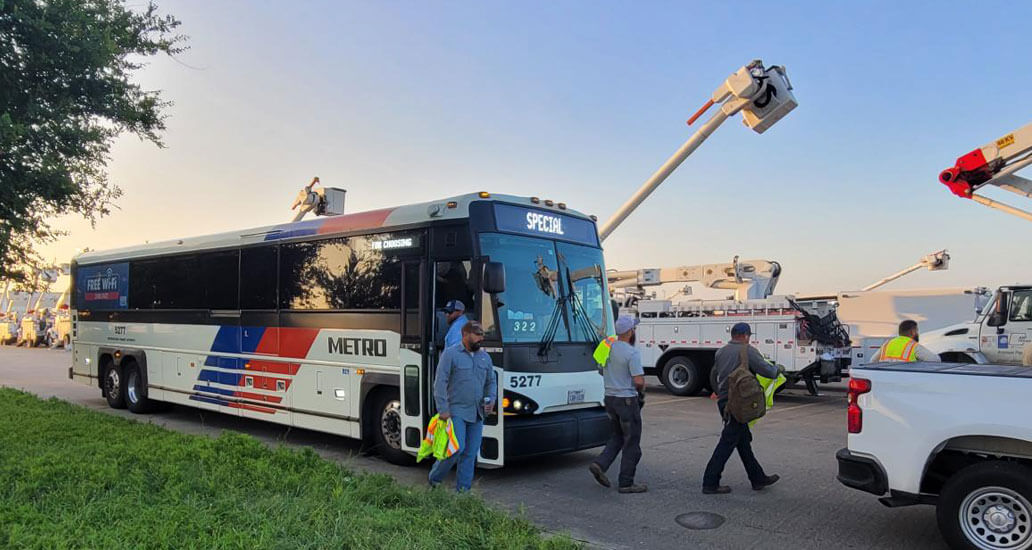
494,277
998,318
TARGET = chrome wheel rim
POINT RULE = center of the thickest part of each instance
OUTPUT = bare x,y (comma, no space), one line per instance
679,376
996,518
113,383
390,424
130,389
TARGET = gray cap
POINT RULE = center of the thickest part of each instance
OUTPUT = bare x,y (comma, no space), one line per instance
625,323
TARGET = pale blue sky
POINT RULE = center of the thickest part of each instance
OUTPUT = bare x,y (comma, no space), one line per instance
581,101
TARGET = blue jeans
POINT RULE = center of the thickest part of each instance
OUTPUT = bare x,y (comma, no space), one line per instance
468,434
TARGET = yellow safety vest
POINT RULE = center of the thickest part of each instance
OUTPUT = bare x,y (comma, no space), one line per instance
601,354
900,349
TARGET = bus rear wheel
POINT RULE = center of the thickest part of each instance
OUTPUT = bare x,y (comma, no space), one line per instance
135,390
114,388
387,428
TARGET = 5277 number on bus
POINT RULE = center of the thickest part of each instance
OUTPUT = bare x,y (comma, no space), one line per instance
528,381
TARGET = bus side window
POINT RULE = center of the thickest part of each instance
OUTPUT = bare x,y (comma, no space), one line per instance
258,277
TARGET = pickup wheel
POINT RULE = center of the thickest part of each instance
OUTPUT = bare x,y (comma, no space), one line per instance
987,506
682,377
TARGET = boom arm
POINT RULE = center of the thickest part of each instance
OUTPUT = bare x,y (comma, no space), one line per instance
764,95
750,279
994,164
936,261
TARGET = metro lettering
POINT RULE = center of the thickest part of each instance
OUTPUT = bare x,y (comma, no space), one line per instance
367,347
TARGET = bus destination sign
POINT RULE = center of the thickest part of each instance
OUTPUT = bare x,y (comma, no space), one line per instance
530,221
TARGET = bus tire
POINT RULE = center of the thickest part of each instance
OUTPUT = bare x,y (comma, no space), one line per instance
114,387
681,376
987,505
386,427
135,389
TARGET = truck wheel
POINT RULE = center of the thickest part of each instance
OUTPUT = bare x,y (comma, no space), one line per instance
387,428
114,388
681,376
987,506
135,390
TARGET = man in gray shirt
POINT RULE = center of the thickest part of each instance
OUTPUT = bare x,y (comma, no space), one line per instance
624,380
736,435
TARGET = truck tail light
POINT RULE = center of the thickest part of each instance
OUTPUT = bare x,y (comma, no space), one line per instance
855,415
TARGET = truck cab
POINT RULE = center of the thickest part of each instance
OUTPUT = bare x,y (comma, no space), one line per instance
998,335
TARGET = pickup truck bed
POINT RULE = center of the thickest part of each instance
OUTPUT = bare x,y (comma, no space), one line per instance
955,435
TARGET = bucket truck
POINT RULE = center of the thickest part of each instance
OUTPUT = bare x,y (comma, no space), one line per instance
994,164
678,340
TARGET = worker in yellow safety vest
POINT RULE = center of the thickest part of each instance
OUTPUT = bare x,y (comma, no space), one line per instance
904,348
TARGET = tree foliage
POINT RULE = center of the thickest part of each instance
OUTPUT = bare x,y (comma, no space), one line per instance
66,92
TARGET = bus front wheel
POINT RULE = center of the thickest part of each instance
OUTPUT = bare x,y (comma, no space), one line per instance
387,427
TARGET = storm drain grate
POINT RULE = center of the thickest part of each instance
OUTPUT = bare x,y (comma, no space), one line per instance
700,520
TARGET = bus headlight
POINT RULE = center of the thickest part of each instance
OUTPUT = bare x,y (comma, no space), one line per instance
514,403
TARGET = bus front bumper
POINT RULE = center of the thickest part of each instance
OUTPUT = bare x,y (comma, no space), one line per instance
555,433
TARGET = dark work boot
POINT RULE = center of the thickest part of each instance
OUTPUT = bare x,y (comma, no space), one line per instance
721,490
639,488
766,482
600,476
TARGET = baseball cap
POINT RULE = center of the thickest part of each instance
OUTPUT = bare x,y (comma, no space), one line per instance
454,305
625,323
740,329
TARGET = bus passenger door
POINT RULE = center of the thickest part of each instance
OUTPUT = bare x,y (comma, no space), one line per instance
492,446
414,387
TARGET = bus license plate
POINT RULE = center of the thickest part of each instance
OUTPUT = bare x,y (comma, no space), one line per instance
574,396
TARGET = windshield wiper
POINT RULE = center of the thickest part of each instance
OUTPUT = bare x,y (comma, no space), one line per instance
580,314
548,338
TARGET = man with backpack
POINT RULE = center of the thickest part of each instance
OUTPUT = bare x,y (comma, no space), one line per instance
736,435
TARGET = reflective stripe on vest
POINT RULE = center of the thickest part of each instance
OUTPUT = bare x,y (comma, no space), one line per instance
900,348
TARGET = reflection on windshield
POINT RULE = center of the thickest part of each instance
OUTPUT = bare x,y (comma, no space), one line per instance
553,290
588,312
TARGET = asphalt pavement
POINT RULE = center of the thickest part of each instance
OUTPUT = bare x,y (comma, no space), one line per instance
798,439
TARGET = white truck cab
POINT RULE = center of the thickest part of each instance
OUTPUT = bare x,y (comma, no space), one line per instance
997,335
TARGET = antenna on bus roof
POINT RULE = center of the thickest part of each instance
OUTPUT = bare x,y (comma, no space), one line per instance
324,201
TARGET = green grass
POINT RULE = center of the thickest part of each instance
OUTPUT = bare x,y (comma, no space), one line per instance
75,478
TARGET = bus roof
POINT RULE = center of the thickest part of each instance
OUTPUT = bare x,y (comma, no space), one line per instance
398,216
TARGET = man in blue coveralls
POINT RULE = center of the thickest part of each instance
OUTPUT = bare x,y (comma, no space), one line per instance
465,390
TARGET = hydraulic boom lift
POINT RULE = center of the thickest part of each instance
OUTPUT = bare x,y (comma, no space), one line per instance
936,261
750,279
994,164
763,95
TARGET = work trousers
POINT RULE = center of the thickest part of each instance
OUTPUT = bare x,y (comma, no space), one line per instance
625,419
468,434
735,435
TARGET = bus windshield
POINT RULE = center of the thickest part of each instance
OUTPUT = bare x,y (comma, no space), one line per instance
537,302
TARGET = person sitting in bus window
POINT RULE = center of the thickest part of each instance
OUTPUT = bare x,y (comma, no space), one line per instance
455,312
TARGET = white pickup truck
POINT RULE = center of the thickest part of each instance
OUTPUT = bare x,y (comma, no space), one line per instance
958,436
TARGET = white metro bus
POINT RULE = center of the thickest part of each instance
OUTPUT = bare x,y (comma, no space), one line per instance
334,324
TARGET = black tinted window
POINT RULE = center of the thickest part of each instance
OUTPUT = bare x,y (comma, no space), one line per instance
258,278
166,283
342,273
219,279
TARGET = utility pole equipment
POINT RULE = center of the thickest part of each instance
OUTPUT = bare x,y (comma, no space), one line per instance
763,95
324,201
